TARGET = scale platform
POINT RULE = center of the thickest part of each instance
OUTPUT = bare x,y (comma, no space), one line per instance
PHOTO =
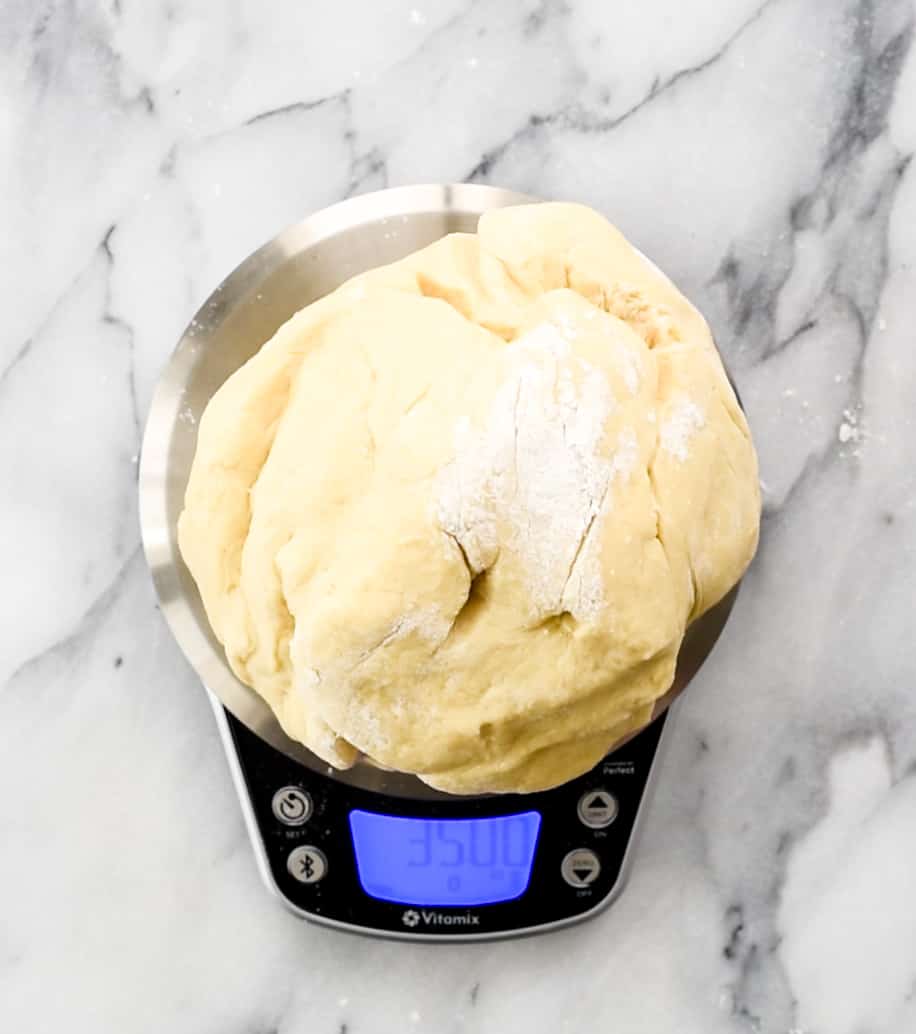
444,868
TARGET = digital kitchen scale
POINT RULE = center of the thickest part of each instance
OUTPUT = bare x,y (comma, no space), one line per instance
366,849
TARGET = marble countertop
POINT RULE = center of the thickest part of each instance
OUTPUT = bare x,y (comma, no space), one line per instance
760,152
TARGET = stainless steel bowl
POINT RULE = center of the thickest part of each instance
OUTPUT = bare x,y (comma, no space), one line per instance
302,264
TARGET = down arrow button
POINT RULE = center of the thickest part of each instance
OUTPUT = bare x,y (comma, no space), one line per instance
580,867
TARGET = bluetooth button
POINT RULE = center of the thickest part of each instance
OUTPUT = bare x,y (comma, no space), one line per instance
307,864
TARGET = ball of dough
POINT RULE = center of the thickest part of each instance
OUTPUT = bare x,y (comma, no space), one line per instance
457,515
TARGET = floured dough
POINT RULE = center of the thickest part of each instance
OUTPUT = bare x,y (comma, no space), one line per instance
457,515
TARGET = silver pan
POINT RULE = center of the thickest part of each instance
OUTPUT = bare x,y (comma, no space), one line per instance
299,266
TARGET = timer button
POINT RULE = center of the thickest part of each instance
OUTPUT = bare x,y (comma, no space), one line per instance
597,809
292,806
307,864
580,867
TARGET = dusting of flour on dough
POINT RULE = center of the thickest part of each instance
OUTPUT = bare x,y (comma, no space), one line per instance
584,591
631,370
534,479
426,622
685,420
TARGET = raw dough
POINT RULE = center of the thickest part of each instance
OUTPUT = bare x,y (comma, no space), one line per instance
457,515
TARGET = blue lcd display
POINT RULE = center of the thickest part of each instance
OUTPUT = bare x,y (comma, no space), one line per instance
444,861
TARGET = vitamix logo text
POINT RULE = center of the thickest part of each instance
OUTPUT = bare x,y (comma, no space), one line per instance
412,918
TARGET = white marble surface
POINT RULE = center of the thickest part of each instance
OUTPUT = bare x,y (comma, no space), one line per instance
760,152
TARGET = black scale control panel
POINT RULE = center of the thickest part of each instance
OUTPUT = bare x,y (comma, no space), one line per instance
348,857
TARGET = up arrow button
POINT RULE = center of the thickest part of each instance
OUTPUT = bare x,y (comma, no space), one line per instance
597,809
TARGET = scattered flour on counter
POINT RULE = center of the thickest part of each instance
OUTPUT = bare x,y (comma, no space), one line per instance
850,430
685,420
534,479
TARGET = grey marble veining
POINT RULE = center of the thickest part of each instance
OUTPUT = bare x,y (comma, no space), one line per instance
761,153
